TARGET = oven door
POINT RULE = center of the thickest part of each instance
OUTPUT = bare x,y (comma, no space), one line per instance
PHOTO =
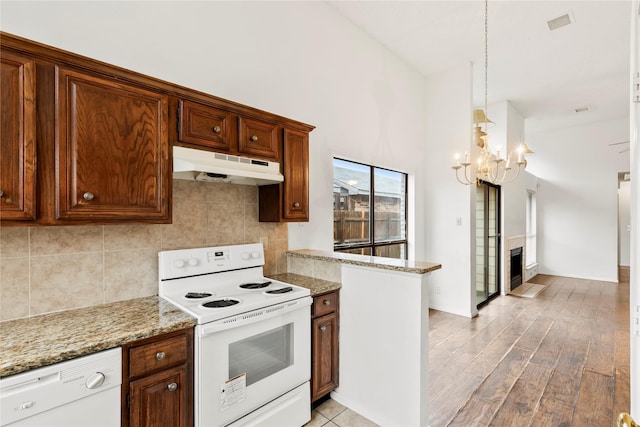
246,361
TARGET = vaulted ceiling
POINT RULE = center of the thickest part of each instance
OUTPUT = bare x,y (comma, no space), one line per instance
545,74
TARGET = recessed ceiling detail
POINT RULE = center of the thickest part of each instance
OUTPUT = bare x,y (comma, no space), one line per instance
560,21
581,109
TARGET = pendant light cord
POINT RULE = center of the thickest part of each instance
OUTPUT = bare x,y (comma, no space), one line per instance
486,62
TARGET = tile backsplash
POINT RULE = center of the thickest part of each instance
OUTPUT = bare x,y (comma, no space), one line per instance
52,268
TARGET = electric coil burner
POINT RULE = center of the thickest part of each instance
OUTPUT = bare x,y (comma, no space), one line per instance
219,303
252,341
255,285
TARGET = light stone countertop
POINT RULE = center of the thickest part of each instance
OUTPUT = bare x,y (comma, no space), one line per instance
38,341
419,267
316,286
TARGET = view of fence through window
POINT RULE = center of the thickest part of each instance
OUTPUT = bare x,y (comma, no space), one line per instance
355,185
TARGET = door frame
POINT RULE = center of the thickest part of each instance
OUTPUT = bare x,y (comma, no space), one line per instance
498,239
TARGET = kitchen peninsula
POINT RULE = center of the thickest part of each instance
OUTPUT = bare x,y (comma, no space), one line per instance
384,330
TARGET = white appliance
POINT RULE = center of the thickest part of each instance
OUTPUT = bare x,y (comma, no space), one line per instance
201,165
252,340
79,392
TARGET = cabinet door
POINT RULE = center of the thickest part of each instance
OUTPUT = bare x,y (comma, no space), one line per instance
17,138
258,139
160,400
112,150
324,372
206,126
296,172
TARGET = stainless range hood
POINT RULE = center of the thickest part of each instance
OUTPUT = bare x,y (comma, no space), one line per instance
200,165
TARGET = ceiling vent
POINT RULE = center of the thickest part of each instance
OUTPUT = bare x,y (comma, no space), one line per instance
560,21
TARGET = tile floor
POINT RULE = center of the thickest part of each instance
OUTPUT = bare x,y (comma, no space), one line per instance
331,414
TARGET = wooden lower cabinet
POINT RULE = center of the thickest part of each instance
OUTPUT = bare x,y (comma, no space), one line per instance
324,344
157,384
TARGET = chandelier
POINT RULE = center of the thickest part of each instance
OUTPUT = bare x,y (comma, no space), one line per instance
490,166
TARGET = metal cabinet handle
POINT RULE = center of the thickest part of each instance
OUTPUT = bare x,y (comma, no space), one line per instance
1,193
88,196
172,387
327,302
216,129
160,355
323,328
254,138
296,205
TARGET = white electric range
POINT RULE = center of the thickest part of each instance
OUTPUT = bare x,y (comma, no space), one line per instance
252,340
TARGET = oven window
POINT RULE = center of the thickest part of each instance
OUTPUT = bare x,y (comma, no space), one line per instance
262,355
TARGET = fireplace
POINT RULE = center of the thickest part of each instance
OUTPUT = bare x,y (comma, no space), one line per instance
516,267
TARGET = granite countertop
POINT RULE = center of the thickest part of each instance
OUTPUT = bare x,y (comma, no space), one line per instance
419,267
316,286
38,341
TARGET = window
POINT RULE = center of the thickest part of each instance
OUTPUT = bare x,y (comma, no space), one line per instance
381,231
531,228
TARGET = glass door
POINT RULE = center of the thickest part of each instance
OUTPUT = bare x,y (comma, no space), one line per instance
487,242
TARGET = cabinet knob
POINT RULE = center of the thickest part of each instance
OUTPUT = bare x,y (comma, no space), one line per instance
216,129
160,355
88,196
327,302
323,328
172,387
296,205
1,193
254,138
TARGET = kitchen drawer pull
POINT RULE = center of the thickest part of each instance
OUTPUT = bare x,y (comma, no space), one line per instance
88,196
254,138
216,129
327,302
296,205
172,387
323,328
160,355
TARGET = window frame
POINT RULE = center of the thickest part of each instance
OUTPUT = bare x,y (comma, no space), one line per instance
372,244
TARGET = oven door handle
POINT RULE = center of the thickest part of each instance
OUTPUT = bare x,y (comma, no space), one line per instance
254,316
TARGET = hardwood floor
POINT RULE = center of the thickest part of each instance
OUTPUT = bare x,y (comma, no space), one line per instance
559,359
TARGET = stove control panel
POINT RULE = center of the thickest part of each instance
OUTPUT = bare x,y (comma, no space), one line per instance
196,261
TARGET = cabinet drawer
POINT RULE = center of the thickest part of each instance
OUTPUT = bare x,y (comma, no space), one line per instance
259,139
205,125
158,355
324,304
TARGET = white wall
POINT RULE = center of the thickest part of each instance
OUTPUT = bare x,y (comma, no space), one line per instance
298,59
448,117
577,198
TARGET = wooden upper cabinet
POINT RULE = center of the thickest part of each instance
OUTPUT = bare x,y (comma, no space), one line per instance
296,172
289,200
258,138
112,149
17,137
206,126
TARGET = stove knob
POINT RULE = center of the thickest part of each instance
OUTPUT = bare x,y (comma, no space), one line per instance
245,256
179,263
255,254
193,262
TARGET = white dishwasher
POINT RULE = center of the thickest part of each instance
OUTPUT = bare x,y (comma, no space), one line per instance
78,392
